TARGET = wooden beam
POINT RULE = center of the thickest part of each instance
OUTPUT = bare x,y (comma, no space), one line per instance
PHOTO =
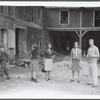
80,18
80,35
77,33
83,33
72,29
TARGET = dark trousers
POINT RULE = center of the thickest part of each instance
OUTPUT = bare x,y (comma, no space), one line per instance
3,69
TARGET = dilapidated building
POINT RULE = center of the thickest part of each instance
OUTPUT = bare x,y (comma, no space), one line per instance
66,25
22,26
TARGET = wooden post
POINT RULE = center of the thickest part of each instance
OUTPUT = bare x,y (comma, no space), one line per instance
43,40
80,39
80,35
0,36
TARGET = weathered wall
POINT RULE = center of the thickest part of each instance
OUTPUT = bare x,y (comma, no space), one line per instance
35,16
21,42
33,36
29,14
87,17
52,18
25,16
12,18
24,13
7,10
6,17
11,43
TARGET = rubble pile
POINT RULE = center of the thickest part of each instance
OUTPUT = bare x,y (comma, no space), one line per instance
60,68
63,66
20,63
84,67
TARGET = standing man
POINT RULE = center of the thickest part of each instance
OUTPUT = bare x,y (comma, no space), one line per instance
4,57
34,62
93,55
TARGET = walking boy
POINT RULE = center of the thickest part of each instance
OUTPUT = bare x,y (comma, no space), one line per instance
34,62
4,57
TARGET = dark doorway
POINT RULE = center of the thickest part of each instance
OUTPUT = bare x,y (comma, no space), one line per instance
20,42
17,41
62,41
4,38
91,35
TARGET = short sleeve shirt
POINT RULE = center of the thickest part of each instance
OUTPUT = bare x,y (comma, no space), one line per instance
93,51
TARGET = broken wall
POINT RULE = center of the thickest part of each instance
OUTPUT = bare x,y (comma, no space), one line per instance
33,36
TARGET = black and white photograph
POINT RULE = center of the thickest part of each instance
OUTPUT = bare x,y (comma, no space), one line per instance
49,50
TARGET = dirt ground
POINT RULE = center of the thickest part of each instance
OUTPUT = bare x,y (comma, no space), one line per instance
20,86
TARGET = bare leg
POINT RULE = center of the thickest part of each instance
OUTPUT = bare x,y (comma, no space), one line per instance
6,73
34,74
72,76
47,75
32,78
31,66
78,73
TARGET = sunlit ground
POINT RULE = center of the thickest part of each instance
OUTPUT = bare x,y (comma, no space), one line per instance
20,85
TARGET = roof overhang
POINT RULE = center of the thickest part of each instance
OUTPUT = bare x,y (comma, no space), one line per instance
73,29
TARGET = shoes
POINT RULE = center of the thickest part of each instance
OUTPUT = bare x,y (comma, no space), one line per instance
8,78
34,80
78,81
72,80
89,84
98,76
94,86
49,79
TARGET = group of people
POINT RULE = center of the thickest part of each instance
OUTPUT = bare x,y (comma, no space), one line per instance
75,56
49,54
92,58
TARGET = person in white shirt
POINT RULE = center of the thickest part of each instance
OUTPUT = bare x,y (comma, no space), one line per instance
93,56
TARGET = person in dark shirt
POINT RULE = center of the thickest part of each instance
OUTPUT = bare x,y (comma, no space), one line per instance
4,57
48,60
34,62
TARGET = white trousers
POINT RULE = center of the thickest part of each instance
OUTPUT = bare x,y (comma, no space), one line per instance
93,73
